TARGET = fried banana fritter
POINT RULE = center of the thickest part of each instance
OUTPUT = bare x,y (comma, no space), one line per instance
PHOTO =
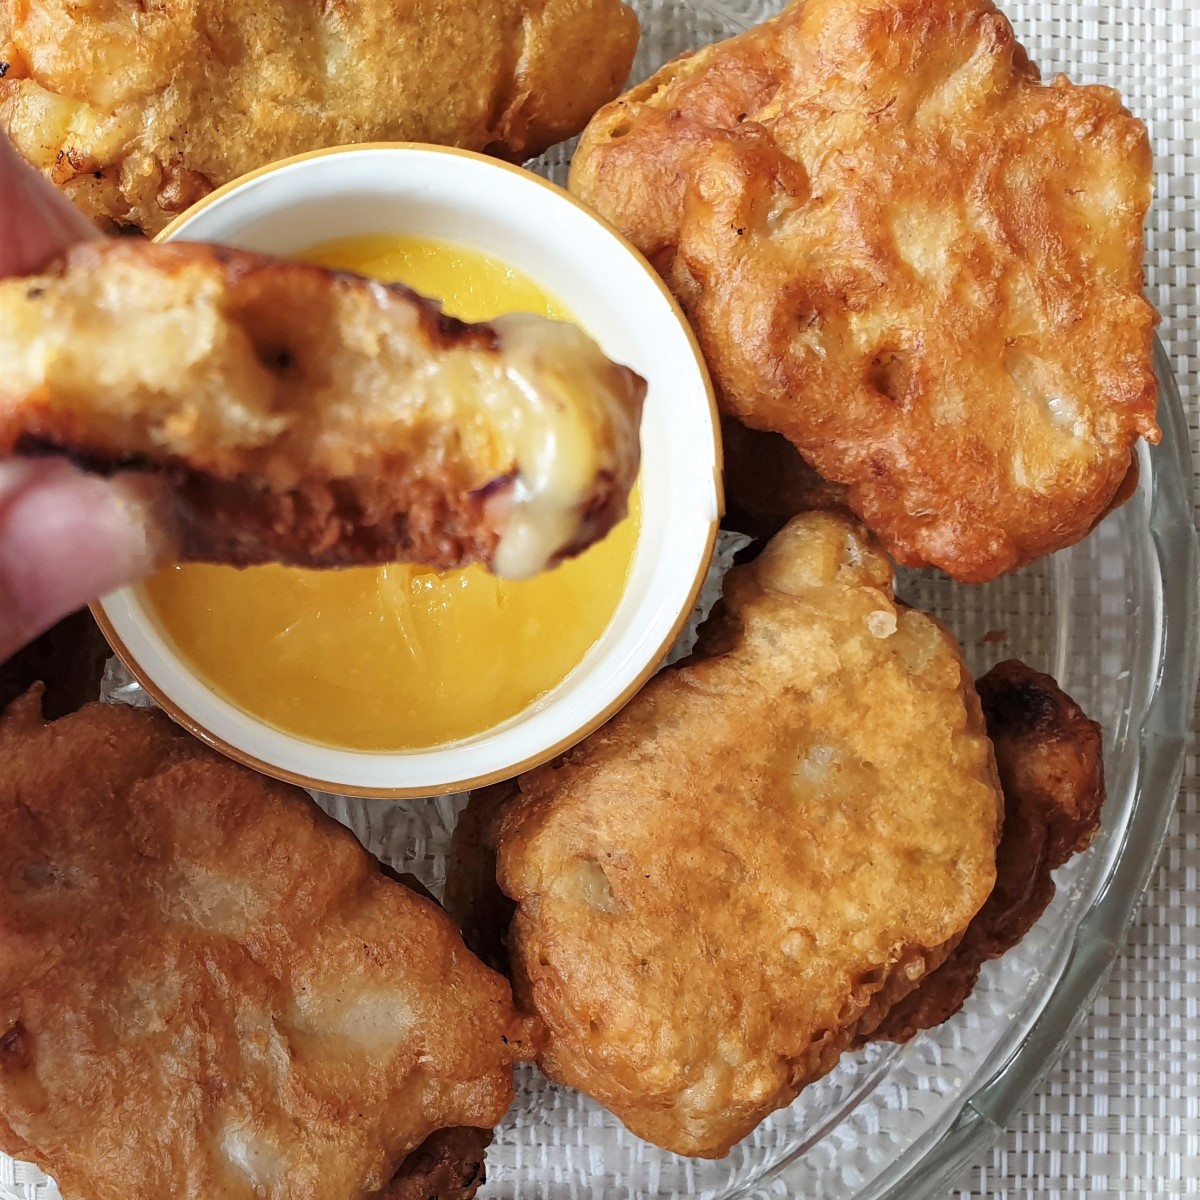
1050,759
719,891
768,482
139,110
312,417
906,254
204,978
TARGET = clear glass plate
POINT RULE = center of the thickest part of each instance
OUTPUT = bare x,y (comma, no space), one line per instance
1115,620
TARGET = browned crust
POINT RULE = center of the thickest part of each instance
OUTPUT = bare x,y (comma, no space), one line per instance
243,522
189,95
665,840
81,918
1049,760
244,269
1126,489
910,257
421,502
1049,757
448,1165
768,482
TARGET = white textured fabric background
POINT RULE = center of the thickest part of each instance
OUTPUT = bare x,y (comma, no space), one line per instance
1120,1115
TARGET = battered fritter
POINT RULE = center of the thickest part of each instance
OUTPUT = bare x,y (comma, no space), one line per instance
906,254
139,110
1050,759
206,980
736,877
311,417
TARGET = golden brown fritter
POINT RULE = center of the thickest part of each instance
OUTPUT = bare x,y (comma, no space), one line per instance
139,110
751,863
906,254
204,978
1050,759
312,417
768,482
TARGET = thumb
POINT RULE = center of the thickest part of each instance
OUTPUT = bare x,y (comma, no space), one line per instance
67,538
36,220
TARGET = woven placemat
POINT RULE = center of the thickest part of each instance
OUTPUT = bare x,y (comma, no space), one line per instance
1120,1114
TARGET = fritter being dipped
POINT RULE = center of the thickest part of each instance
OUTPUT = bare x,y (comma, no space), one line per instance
205,979
1050,759
139,110
315,418
906,254
734,879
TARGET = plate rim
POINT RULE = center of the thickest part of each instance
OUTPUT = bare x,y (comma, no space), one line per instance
926,1170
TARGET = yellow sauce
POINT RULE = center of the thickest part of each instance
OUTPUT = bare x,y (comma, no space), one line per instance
398,657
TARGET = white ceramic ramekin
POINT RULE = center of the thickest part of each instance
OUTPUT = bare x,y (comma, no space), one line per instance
617,298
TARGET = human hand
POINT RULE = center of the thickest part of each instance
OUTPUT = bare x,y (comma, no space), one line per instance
65,537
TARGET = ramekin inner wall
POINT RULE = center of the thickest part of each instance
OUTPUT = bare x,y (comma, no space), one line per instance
458,198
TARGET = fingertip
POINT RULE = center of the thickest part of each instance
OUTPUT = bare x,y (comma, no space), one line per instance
67,538
38,221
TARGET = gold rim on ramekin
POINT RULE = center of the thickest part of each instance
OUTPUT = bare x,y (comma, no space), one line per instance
198,730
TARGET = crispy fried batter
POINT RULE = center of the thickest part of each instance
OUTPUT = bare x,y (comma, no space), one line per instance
1049,756
758,856
767,482
313,417
205,979
448,1165
139,110
1050,764
902,251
